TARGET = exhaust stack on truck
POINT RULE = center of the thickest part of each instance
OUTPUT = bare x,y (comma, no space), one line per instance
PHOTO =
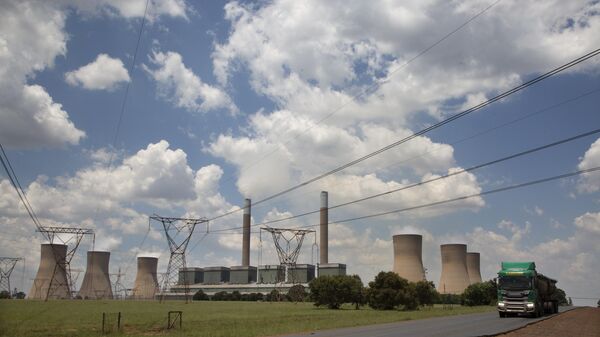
521,289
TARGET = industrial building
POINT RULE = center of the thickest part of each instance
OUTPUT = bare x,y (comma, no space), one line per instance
51,281
146,281
473,267
96,281
455,277
408,262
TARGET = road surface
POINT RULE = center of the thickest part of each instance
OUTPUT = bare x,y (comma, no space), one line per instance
451,326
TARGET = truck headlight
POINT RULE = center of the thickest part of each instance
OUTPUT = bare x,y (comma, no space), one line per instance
501,304
530,305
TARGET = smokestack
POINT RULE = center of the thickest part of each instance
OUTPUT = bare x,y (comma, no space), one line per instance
146,282
246,234
324,230
454,278
51,278
408,251
473,267
96,282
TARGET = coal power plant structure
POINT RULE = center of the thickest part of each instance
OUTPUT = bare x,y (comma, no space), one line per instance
146,280
51,281
455,276
96,281
408,262
473,267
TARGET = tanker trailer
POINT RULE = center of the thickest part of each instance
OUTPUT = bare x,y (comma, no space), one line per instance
522,290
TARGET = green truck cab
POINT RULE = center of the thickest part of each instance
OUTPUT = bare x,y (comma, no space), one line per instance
522,290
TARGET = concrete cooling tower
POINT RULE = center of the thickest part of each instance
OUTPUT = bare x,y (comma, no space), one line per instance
408,262
473,268
455,277
146,281
96,282
51,278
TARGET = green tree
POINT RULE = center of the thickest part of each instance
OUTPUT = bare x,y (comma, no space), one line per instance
426,292
4,294
483,293
560,296
389,291
333,291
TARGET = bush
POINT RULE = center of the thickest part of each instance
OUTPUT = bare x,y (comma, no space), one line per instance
5,294
200,296
560,296
235,296
274,296
221,296
20,295
333,291
296,293
484,293
426,292
389,291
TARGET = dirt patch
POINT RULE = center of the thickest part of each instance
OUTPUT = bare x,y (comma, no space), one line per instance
582,322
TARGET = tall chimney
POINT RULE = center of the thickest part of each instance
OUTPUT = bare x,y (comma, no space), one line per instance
246,234
324,234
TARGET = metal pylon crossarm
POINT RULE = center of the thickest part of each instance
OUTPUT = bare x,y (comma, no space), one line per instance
288,243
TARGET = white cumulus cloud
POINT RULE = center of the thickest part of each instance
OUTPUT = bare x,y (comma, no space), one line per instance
178,84
104,73
590,182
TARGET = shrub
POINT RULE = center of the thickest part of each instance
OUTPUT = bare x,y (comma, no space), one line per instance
4,294
221,296
274,296
426,292
333,291
484,293
200,296
296,293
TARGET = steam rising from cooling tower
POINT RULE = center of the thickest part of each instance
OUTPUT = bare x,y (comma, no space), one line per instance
96,282
455,277
51,278
324,230
246,234
146,281
408,261
473,267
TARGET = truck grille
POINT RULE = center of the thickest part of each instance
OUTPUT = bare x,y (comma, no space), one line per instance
515,303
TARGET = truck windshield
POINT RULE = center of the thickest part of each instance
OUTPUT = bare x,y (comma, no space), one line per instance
515,282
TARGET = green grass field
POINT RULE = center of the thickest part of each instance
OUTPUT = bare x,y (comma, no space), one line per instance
140,318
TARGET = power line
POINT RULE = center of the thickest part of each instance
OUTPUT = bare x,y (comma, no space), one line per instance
421,183
428,129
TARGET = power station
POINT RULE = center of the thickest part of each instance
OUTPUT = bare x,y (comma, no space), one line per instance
408,262
455,276
51,281
96,281
146,280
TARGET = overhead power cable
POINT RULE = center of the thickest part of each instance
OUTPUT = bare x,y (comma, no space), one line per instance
14,180
428,129
425,182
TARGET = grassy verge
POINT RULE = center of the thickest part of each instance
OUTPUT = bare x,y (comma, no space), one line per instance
19,318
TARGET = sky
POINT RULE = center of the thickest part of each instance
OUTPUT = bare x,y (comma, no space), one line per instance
234,100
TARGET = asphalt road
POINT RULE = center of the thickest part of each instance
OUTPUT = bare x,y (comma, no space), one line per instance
451,326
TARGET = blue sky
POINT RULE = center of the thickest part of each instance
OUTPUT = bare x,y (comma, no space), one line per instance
226,102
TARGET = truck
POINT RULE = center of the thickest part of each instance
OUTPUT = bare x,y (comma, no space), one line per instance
522,290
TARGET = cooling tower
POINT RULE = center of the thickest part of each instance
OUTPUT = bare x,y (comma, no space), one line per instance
96,281
51,278
408,262
473,268
246,234
454,278
324,231
146,282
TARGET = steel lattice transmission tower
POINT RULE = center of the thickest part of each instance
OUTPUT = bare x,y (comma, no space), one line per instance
178,232
288,243
53,233
7,265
